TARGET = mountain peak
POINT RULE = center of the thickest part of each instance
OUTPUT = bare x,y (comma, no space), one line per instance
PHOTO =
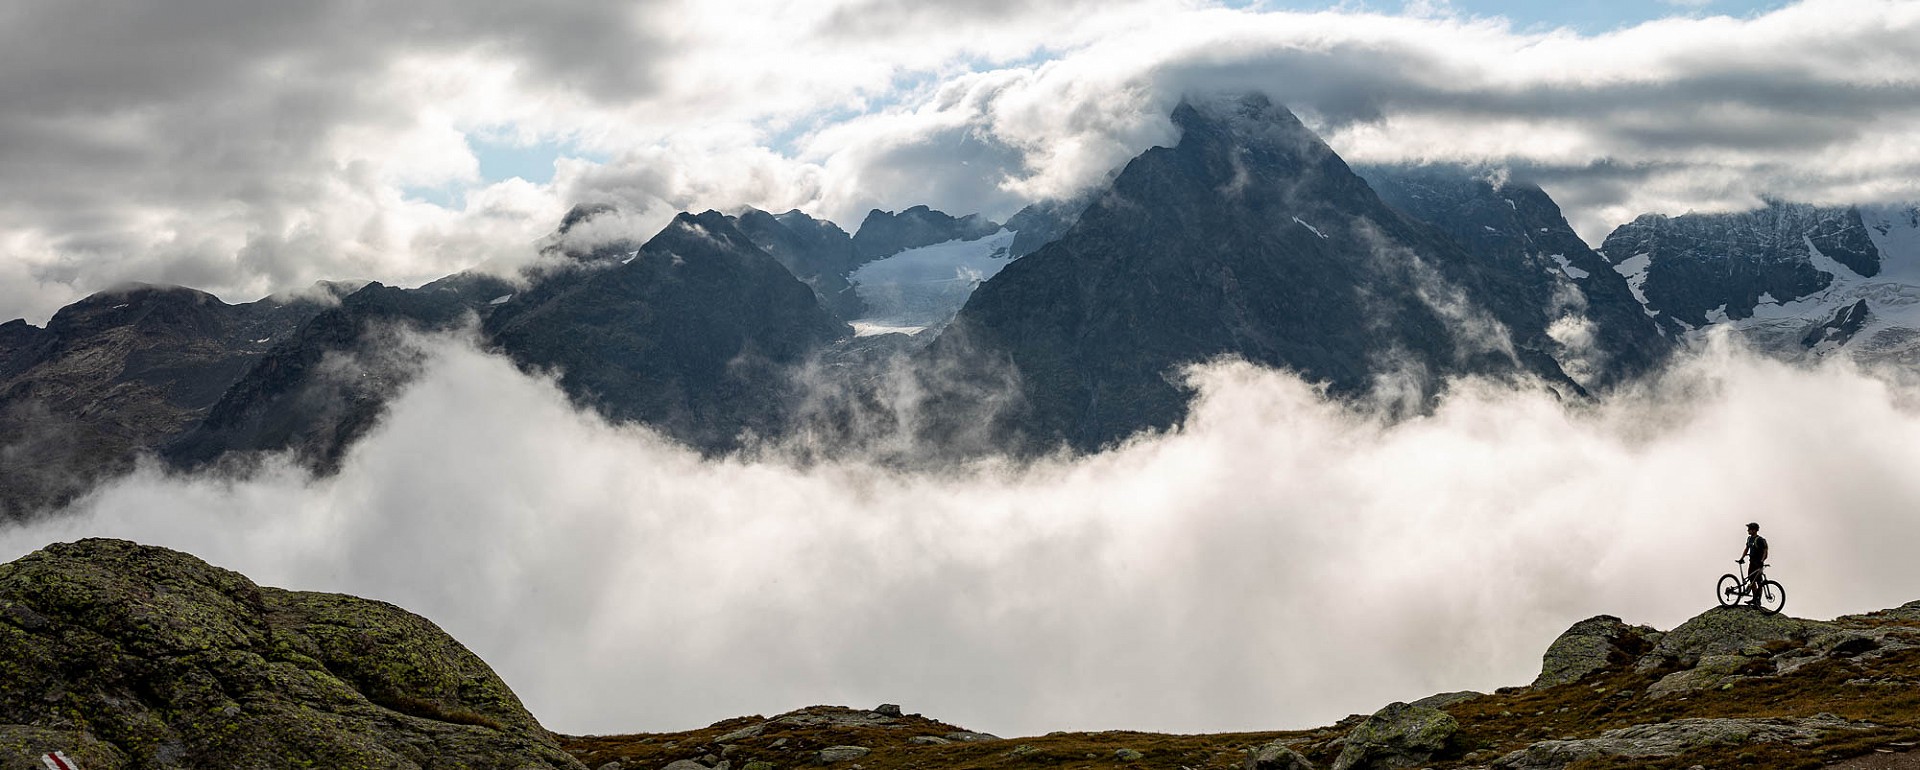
1246,119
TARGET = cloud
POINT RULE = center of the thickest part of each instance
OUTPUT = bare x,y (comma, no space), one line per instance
247,149
1279,561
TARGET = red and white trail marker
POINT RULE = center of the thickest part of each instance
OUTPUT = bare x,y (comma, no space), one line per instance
58,761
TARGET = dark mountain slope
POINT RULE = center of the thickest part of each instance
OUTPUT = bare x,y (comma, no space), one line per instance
328,384
816,251
1517,226
1248,238
118,373
693,336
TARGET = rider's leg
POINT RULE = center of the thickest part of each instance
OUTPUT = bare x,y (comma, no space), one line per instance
1756,582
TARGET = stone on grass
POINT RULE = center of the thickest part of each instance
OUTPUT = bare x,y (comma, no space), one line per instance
1398,736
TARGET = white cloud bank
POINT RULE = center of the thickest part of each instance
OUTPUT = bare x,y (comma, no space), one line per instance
1279,562
246,148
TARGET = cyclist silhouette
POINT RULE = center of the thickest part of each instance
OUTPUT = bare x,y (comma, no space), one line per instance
1757,550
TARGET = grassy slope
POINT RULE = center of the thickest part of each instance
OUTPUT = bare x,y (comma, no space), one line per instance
1884,689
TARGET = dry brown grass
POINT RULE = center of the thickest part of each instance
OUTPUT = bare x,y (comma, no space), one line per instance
1879,688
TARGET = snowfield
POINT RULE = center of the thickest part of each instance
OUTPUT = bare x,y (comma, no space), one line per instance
923,288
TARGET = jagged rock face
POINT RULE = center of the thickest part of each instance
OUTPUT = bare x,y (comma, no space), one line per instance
816,251
117,373
693,336
1249,238
1697,264
328,384
131,656
1605,335
1044,222
1793,280
884,233
1592,645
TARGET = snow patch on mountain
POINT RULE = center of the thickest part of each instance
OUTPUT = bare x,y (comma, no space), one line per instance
1566,267
922,288
1634,269
1824,322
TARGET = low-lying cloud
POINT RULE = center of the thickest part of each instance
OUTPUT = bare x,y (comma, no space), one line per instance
1279,561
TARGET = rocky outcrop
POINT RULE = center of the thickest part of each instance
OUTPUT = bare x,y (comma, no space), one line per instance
130,656
1277,755
1400,735
884,233
1729,631
1668,739
1592,645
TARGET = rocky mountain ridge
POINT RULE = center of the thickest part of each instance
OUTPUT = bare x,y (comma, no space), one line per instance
1793,280
130,656
1251,238
1248,238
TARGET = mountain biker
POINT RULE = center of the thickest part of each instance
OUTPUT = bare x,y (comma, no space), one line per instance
1757,550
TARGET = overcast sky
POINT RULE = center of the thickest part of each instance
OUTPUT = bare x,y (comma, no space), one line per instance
246,148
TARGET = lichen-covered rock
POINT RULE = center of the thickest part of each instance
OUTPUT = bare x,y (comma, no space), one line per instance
832,754
21,746
1592,645
173,663
1731,631
1397,736
1712,671
1277,756
1445,699
1670,738
1909,612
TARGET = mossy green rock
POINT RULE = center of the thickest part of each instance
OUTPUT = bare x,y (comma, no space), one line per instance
1398,736
1592,645
133,656
1731,631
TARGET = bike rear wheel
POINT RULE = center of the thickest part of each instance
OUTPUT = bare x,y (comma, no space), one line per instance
1730,592
1773,596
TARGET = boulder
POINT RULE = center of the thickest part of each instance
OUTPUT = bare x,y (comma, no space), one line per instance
1128,755
115,649
1667,739
832,754
1593,645
1731,631
887,710
1277,756
1712,671
1445,699
1400,735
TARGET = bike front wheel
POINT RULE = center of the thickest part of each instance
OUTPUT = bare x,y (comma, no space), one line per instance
1772,597
1730,592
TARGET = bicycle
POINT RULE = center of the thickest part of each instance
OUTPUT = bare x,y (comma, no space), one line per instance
1736,588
